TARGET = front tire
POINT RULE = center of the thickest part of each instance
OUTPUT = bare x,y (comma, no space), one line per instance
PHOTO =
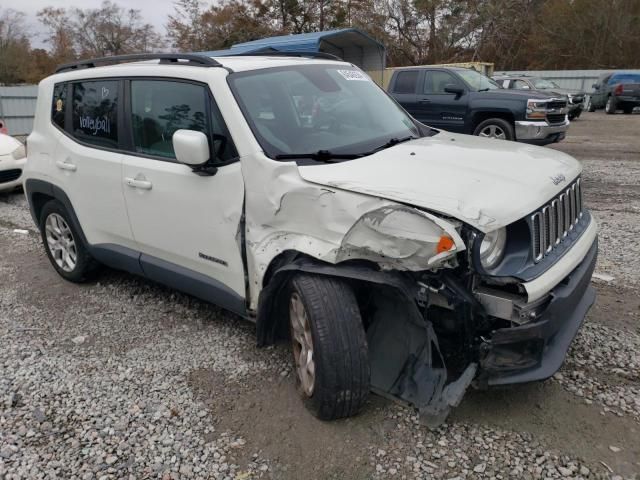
329,346
63,244
610,107
495,128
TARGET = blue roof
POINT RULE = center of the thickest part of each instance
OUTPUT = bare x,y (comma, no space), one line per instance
302,42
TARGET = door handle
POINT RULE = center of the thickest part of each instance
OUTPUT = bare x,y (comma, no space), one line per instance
424,100
137,183
66,165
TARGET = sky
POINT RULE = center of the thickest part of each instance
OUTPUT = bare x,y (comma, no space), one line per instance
154,12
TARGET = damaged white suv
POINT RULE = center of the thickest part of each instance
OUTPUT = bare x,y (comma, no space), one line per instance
294,192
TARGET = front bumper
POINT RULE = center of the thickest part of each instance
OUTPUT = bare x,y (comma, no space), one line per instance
11,172
540,132
535,351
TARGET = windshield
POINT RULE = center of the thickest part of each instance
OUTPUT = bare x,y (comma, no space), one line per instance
319,108
477,81
543,84
625,78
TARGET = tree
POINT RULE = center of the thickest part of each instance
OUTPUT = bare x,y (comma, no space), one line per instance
108,30
14,47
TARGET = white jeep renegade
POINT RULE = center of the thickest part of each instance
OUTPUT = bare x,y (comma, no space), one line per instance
294,192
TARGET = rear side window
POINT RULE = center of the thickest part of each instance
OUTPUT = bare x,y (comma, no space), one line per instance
59,104
159,108
406,82
95,112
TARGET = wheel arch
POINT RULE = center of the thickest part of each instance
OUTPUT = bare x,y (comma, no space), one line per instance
271,316
39,192
482,115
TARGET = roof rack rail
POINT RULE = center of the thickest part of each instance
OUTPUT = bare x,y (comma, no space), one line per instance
283,53
175,58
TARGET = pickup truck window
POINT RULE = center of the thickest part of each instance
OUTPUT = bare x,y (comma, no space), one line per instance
477,81
302,109
519,85
406,82
436,80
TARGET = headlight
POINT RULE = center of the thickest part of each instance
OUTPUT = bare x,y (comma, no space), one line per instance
19,153
536,109
492,248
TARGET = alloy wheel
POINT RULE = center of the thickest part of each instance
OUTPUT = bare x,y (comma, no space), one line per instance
493,131
61,243
302,344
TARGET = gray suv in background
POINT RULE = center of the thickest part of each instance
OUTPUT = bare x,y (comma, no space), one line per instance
575,98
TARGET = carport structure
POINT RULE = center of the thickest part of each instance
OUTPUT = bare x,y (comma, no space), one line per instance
350,44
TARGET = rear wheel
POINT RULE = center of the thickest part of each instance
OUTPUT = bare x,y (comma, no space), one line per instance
65,249
329,346
495,128
610,107
628,110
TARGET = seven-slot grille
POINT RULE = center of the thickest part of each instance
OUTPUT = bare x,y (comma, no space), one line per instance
10,175
552,223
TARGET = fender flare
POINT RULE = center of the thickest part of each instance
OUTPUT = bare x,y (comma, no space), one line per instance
33,186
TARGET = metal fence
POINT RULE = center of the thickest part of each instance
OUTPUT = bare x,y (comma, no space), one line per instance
18,107
571,79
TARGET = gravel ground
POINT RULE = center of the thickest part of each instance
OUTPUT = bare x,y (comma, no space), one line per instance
126,379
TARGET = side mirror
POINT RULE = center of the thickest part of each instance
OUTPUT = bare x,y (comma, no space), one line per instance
191,147
453,88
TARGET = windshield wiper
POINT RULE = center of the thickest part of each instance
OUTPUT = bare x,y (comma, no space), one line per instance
321,155
392,142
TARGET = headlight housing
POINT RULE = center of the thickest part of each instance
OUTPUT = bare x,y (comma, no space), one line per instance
19,153
536,109
492,248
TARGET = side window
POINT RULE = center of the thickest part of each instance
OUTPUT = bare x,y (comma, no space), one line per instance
519,85
436,80
159,108
406,82
59,104
95,112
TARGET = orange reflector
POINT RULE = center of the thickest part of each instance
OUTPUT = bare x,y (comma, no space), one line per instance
445,244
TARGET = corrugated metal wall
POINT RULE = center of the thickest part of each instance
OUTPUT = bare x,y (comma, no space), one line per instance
18,107
573,79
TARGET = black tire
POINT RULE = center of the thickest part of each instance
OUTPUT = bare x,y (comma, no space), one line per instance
340,354
611,106
85,266
590,106
497,123
628,110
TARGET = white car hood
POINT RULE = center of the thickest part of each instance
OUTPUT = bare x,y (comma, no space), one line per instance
8,144
485,183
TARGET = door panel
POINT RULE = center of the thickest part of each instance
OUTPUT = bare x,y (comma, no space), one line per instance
183,222
91,175
441,109
404,90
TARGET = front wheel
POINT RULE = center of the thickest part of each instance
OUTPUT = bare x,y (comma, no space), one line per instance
610,107
329,346
65,249
495,128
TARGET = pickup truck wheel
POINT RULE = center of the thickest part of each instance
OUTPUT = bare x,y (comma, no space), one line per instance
65,249
628,110
610,107
495,128
329,345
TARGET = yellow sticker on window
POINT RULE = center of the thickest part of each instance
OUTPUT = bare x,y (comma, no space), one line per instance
59,105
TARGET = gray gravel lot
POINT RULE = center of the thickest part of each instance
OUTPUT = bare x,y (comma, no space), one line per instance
126,379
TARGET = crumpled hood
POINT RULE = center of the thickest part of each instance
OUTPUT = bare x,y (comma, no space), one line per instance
483,182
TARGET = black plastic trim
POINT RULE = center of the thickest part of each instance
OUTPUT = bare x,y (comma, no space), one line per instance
193,60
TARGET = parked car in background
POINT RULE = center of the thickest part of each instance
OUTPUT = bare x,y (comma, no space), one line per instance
575,98
615,91
464,101
12,161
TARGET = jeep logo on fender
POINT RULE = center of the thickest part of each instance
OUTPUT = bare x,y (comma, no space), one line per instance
558,179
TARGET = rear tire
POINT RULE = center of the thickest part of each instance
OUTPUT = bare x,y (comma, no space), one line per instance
495,128
64,246
330,350
610,107
628,110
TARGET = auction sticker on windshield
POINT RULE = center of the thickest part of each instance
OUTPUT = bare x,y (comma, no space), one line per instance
353,75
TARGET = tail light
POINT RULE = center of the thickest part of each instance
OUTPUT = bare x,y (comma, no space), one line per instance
618,90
